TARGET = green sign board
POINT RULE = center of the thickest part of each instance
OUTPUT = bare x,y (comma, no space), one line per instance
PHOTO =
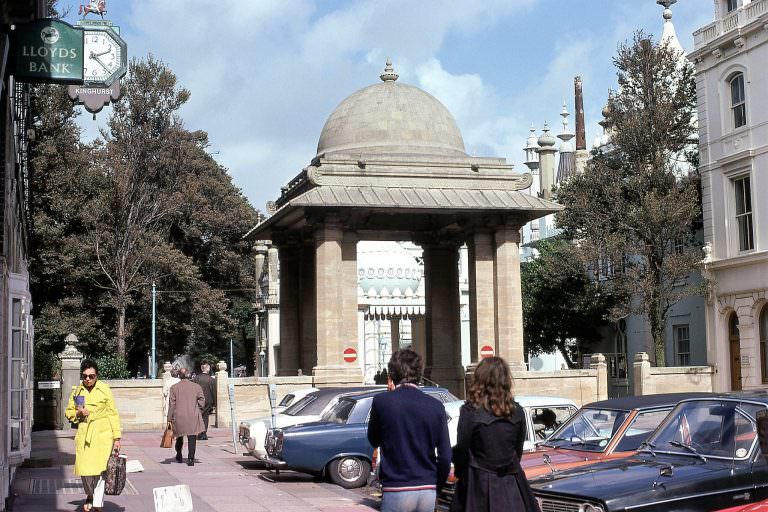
47,51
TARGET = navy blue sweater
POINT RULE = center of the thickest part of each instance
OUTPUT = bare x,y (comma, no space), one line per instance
411,429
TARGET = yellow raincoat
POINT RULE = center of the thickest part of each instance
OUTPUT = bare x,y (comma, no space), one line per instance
97,431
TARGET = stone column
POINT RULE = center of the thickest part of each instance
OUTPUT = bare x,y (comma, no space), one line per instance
419,335
70,374
223,415
597,362
482,309
394,333
641,374
509,302
307,310
273,310
289,310
335,317
443,320
749,348
349,308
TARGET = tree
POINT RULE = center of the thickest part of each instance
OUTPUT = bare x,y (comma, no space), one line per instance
563,308
636,206
139,161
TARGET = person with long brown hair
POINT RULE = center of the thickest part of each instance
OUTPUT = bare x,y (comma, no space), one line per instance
491,433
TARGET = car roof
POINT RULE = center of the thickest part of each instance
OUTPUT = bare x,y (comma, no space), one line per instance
646,401
425,389
542,401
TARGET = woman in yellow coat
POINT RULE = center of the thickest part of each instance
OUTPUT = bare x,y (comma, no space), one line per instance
92,408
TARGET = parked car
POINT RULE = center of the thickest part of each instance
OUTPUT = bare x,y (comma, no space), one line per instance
702,457
311,407
336,446
291,398
602,430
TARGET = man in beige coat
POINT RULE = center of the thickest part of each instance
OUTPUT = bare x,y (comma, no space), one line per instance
185,403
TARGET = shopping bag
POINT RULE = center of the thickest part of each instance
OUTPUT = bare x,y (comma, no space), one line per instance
115,476
167,441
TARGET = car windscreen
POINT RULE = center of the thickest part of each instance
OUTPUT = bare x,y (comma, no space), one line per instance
298,407
588,430
708,428
286,401
340,412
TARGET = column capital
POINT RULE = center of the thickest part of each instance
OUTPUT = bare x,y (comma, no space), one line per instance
507,234
330,229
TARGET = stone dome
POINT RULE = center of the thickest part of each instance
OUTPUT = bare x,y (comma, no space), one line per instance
391,118
387,269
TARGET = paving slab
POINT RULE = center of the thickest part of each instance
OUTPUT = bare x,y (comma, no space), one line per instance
220,481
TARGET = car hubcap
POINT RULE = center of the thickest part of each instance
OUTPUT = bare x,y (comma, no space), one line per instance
350,469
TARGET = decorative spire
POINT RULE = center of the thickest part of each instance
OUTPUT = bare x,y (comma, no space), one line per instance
389,74
668,35
565,135
546,141
531,150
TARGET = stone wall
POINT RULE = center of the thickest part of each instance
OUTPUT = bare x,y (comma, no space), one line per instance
139,403
581,386
650,380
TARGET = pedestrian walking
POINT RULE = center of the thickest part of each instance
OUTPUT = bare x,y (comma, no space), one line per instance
411,431
184,412
208,384
92,408
491,433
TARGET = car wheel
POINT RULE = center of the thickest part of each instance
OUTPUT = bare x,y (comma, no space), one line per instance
349,472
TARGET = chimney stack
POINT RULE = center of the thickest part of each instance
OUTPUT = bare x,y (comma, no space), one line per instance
581,139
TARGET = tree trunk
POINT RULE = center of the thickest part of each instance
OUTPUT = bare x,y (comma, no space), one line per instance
561,347
121,329
657,332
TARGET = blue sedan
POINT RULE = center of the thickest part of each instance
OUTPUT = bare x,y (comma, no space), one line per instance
336,446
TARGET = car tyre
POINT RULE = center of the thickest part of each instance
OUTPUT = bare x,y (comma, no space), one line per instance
349,472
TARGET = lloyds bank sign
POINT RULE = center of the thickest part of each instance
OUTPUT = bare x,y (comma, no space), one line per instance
47,51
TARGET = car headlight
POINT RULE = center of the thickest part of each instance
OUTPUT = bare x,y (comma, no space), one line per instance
588,507
274,442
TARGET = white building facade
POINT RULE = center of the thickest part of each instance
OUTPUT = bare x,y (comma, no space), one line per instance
730,55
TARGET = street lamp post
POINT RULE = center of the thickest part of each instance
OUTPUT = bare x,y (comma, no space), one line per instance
152,365
262,355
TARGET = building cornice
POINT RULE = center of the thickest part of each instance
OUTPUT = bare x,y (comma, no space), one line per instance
743,260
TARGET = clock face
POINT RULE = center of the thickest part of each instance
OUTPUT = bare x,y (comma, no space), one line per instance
103,57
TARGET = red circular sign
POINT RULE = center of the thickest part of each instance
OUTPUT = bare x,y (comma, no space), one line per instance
350,355
486,351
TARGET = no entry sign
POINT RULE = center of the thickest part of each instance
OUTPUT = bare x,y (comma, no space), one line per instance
486,351
350,355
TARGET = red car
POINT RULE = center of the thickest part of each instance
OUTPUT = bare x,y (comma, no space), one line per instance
760,506
602,430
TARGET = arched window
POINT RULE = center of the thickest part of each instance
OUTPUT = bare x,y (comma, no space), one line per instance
731,5
738,100
763,341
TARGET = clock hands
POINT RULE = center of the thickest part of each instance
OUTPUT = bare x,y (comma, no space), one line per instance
95,56
109,50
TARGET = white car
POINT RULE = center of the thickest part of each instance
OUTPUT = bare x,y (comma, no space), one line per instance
292,398
309,408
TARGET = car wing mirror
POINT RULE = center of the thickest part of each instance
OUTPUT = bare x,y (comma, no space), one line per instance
762,431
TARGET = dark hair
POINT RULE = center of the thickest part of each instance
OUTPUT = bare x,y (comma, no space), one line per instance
405,365
89,363
491,387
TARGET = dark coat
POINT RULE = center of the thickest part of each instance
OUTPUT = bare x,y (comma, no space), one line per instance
185,403
208,384
487,463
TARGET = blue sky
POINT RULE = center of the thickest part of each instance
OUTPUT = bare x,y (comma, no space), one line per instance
265,74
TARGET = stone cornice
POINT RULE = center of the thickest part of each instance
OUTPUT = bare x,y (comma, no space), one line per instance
401,178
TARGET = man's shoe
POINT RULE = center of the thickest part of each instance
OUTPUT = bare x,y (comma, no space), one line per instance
190,462
202,437
179,458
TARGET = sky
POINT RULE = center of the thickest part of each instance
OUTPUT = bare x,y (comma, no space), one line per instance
264,75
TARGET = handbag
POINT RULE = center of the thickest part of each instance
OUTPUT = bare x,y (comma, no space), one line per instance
115,476
167,441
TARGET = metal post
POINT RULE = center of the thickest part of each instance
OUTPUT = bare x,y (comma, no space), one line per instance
231,360
262,355
152,367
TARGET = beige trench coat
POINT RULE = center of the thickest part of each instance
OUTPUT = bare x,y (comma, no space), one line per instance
185,403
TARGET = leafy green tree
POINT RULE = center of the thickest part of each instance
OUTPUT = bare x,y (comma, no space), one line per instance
563,308
637,204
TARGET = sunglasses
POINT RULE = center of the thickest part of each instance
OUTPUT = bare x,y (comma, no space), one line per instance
88,376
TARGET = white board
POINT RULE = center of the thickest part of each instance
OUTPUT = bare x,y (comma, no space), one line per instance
175,498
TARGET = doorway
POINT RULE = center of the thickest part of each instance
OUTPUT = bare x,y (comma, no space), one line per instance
733,341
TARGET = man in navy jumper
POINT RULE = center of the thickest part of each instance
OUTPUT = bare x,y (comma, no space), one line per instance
411,431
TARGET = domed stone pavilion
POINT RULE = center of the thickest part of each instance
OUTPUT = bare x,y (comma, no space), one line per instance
391,166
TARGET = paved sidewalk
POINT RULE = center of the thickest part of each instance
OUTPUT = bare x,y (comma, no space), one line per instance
220,480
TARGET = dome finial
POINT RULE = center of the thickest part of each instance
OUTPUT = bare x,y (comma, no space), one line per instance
389,74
